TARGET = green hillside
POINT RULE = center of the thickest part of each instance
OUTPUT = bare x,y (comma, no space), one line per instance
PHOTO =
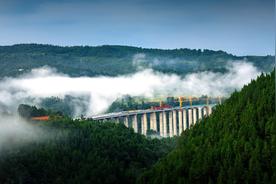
236,144
115,60
67,151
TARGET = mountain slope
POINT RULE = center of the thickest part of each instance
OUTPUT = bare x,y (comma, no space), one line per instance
77,151
235,144
115,60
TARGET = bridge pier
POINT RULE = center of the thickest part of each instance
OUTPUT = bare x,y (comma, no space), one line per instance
161,124
199,113
175,123
180,121
170,123
157,115
126,121
144,124
165,126
116,120
135,123
153,121
209,110
185,121
195,115
205,111
190,118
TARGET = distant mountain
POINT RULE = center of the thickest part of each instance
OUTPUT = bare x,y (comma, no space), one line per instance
115,60
236,144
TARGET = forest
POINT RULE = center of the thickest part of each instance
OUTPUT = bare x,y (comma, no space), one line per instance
80,151
236,144
113,60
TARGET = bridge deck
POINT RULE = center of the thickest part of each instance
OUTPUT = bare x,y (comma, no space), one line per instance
128,113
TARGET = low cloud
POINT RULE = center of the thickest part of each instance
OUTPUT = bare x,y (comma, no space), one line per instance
15,131
139,61
102,91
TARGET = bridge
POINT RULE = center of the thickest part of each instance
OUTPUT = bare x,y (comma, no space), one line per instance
167,122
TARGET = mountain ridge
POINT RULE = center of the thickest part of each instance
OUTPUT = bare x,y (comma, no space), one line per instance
113,60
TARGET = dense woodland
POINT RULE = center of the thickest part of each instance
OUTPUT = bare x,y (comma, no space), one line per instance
27,111
116,60
80,151
236,144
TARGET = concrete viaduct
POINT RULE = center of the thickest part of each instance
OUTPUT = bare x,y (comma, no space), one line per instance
166,122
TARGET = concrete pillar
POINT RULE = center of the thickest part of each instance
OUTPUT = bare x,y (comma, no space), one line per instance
135,123
180,121
165,120
126,121
199,113
204,111
157,116
185,123
175,128
153,121
144,124
190,117
194,115
116,119
161,124
170,123
209,110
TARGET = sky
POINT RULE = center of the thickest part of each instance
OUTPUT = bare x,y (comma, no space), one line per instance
240,27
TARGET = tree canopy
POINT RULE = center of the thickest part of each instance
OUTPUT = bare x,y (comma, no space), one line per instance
236,144
113,60
80,151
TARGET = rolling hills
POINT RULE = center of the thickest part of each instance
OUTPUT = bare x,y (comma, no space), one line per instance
115,60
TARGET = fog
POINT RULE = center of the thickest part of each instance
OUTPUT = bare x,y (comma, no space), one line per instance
102,91
16,131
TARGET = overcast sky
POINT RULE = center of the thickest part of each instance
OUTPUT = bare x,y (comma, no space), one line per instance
241,27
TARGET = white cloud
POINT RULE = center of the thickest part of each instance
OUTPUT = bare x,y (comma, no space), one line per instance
16,131
46,82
